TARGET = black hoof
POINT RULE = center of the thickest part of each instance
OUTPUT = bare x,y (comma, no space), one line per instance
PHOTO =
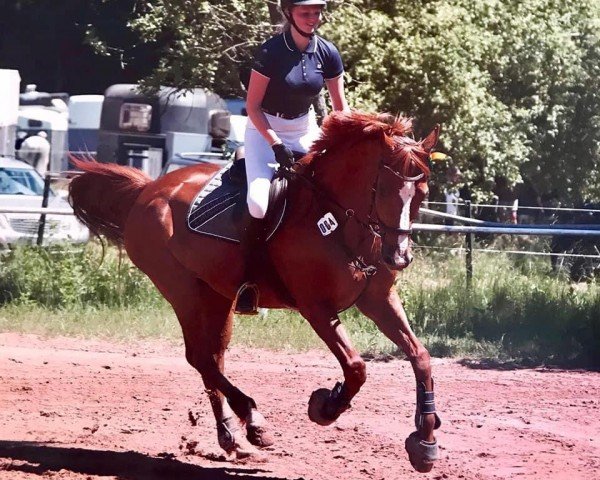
422,454
259,436
316,407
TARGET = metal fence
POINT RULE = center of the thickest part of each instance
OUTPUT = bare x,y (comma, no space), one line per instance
476,226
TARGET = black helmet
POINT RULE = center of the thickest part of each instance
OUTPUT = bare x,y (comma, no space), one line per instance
292,3
287,4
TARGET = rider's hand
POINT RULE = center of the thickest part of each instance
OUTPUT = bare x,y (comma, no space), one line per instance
283,155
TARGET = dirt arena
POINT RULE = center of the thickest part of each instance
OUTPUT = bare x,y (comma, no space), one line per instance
84,410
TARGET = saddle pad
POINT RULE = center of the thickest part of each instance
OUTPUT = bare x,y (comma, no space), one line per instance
220,206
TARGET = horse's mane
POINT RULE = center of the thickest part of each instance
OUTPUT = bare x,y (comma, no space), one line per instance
349,128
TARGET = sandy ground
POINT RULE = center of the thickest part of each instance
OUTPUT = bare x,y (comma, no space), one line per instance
93,410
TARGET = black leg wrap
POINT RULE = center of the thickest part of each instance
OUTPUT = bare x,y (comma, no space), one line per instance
425,405
336,404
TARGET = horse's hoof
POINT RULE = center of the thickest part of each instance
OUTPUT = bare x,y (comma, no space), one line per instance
259,436
422,454
246,453
316,406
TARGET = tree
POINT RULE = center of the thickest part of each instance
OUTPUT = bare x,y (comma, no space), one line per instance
203,43
514,84
81,47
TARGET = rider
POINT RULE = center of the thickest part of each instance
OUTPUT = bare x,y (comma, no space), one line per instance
290,70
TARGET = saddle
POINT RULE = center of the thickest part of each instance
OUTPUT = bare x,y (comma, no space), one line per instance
219,208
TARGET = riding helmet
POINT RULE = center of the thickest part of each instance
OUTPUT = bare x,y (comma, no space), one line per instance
293,3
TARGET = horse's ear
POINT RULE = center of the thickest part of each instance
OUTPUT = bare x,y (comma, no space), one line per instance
430,140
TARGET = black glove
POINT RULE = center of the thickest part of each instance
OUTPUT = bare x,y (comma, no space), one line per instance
283,155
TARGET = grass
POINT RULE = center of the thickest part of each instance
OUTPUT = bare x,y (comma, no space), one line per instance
517,309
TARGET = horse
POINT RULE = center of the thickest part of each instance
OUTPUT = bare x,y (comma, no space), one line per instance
368,172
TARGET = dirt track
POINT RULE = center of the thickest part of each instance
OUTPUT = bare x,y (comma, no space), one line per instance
90,410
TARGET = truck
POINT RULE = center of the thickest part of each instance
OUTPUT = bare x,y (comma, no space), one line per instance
48,113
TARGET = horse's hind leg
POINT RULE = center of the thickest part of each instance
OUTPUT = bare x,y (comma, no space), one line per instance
205,349
386,310
206,320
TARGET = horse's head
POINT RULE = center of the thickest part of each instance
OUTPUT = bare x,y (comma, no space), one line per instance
400,188
390,187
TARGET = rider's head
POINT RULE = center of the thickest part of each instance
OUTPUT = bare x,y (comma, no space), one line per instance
303,15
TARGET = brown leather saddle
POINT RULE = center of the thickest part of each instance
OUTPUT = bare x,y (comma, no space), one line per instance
220,207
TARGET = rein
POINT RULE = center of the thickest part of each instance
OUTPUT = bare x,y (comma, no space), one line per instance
373,225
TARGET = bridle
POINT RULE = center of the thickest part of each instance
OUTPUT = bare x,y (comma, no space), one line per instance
379,224
373,223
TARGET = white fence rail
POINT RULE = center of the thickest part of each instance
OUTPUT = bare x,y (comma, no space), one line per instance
484,227
508,230
39,211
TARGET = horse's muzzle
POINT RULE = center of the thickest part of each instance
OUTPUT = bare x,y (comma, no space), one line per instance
396,260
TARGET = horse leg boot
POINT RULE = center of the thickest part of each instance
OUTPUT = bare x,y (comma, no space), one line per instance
251,243
382,304
325,406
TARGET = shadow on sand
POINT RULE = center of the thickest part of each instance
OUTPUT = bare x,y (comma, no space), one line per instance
40,459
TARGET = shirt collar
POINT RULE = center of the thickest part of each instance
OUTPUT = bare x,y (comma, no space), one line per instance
291,45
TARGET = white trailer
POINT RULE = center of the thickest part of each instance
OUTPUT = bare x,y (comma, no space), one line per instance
10,81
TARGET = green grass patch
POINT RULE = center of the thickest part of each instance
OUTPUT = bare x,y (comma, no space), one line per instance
516,310
106,323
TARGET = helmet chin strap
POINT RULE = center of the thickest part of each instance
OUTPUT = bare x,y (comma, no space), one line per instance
304,34
293,24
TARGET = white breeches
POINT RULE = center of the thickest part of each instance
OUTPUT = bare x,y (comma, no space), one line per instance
298,134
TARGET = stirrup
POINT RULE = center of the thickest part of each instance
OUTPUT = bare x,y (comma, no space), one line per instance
246,299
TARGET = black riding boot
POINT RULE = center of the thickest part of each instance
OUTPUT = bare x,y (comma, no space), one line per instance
251,243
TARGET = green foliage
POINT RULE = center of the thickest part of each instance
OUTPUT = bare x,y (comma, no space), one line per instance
513,84
516,309
202,43
66,277
518,306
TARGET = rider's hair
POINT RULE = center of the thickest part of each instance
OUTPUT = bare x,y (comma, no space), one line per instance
285,24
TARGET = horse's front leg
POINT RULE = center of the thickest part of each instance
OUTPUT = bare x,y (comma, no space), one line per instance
384,307
325,405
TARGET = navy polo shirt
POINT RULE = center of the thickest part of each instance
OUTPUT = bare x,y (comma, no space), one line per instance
296,77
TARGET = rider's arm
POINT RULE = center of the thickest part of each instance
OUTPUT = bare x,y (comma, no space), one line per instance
335,86
254,97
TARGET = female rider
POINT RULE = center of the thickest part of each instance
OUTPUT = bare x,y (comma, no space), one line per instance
288,74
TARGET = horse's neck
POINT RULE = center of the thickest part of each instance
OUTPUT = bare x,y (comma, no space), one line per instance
349,176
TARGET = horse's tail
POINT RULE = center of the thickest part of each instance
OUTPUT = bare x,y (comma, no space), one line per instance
102,196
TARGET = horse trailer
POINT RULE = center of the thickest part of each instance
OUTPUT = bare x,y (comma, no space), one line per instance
145,131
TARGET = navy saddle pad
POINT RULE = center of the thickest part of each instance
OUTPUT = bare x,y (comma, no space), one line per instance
220,206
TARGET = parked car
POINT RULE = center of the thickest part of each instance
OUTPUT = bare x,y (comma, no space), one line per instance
21,186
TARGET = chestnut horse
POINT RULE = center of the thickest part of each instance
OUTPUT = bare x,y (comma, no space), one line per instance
370,174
